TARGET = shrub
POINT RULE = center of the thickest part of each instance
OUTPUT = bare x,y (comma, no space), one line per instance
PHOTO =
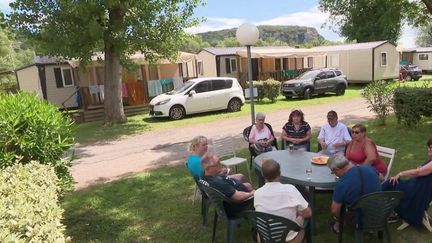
260,88
29,210
272,89
379,95
32,129
411,103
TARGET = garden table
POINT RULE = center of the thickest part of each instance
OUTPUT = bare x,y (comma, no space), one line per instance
293,171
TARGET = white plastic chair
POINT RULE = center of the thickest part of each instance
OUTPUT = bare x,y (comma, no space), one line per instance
225,147
387,153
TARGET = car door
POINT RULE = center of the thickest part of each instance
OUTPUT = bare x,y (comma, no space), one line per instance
199,101
220,93
331,81
320,82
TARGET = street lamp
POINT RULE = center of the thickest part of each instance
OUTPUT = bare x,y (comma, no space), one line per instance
247,34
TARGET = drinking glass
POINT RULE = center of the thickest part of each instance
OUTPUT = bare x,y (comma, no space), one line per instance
291,147
309,172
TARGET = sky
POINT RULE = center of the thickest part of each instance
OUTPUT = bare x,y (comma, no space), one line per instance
223,14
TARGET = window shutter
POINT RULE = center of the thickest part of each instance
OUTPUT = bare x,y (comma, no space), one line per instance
227,65
58,77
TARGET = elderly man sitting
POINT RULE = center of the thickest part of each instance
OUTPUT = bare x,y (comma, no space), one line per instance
354,182
281,199
230,187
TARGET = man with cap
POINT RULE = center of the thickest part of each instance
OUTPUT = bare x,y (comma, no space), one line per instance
333,136
354,181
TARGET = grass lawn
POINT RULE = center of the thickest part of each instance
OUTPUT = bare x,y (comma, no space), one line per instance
156,206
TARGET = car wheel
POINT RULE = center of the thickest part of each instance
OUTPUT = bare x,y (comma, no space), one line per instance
340,89
416,79
307,93
408,78
177,112
234,105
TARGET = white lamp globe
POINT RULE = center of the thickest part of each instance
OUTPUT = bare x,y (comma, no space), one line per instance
247,34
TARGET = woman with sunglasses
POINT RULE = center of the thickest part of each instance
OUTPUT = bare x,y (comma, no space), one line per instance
417,190
363,150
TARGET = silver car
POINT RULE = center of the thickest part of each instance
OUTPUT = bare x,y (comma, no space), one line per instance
317,81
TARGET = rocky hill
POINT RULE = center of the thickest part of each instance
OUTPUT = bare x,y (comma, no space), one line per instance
292,35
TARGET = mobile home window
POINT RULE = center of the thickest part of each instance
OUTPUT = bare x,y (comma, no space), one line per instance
67,77
309,62
423,57
233,62
200,68
383,58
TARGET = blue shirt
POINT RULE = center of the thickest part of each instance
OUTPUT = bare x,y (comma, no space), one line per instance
348,189
193,163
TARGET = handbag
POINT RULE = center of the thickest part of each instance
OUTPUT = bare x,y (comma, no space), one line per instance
258,148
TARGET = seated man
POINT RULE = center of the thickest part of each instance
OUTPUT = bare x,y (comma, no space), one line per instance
333,136
281,199
354,181
230,187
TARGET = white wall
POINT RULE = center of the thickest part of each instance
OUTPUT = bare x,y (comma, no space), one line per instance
28,80
391,70
423,64
209,63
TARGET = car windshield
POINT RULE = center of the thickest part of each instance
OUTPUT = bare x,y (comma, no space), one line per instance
308,75
181,88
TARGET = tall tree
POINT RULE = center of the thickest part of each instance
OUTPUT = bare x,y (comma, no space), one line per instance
366,20
424,36
80,28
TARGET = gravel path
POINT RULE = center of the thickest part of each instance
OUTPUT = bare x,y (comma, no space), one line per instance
102,162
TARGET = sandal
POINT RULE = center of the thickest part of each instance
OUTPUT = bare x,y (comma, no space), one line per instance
332,228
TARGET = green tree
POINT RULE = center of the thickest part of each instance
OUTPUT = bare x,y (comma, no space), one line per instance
80,28
193,44
366,20
424,36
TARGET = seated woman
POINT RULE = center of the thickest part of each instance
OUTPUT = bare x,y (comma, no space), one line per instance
417,190
198,148
296,131
363,150
260,135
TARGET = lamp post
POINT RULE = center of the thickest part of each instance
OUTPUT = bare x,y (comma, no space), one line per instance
247,34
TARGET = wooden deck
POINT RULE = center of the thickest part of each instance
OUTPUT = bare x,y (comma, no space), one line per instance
97,113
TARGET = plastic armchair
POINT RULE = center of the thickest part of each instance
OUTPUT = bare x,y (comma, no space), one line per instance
221,201
374,210
252,153
272,228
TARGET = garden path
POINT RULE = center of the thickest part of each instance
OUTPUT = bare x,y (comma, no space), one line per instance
102,162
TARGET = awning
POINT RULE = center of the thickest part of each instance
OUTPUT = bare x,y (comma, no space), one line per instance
281,53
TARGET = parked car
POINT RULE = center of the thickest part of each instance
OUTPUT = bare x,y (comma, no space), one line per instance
317,81
410,72
199,95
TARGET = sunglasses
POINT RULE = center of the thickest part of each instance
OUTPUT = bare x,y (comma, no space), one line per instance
356,132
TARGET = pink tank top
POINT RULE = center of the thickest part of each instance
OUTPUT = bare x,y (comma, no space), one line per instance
359,155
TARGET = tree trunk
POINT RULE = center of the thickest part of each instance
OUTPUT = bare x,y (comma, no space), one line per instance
113,99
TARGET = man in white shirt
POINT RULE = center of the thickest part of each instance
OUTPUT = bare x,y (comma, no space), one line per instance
281,199
333,136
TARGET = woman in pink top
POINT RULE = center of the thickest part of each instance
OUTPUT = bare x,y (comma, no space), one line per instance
363,150
260,134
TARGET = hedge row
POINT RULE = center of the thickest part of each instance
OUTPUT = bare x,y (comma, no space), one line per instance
29,210
269,89
411,103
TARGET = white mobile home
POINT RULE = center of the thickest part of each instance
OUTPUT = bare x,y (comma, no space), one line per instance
362,62
421,56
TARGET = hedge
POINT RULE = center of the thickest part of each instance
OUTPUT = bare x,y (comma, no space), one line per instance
33,129
29,210
269,89
411,103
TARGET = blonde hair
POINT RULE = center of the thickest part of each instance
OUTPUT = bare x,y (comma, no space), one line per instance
196,141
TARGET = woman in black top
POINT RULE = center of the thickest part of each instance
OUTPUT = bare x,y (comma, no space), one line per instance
296,131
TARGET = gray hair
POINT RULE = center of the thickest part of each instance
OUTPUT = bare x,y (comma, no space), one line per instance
260,116
337,161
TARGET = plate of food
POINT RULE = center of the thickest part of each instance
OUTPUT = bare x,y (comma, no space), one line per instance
320,160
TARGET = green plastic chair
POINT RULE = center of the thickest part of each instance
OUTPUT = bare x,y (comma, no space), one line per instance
272,228
374,210
218,199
